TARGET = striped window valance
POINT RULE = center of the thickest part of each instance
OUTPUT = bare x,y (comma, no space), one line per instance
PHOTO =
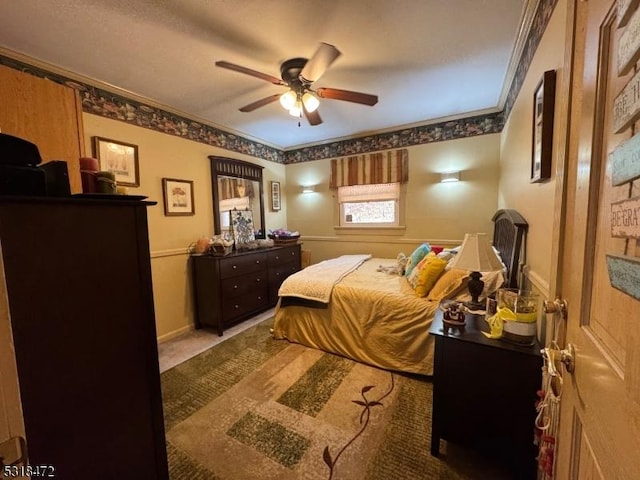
382,167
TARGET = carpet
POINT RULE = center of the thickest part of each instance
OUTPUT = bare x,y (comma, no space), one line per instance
253,407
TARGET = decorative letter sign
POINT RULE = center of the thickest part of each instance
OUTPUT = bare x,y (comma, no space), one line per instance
625,9
625,218
629,45
625,161
626,105
624,274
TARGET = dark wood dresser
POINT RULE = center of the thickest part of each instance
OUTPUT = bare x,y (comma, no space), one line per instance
484,393
79,297
234,287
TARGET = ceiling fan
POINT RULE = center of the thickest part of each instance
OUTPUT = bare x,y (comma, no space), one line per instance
299,74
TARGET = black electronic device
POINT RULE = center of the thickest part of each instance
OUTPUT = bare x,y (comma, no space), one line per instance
56,176
18,151
16,180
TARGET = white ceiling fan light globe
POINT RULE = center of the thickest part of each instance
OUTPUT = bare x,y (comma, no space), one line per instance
296,110
311,103
288,99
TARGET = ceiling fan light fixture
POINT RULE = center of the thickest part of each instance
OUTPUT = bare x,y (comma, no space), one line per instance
311,103
296,110
288,99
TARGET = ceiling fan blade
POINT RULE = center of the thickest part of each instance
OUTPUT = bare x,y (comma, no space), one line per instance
248,71
348,96
260,103
321,60
313,117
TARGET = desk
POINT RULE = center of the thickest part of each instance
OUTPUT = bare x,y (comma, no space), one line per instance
484,393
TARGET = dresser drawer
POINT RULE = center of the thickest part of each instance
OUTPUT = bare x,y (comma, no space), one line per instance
284,255
242,264
244,284
278,273
234,307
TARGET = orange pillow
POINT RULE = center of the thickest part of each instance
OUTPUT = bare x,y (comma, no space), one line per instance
426,273
449,284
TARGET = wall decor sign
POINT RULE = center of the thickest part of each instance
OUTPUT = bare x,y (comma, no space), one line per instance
624,274
625,161
542,143
626,106
118,157
275,196
178,197
625,218
625,10
629,45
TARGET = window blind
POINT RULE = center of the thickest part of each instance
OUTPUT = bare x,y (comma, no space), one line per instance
391,166
366,193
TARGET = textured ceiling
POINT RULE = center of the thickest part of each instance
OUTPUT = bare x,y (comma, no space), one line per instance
425,59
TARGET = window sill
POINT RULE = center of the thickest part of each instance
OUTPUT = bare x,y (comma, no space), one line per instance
370,230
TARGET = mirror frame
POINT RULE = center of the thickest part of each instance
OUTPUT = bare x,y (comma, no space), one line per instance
230,167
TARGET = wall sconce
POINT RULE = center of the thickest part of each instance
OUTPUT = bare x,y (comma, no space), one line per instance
308,189
447,177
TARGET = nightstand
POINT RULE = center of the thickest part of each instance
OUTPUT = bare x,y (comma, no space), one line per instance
484,393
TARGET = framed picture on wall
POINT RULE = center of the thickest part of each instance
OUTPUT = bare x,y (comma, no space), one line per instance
275,196
118,157
178,197
542,143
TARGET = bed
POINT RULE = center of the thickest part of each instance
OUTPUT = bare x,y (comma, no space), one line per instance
370,314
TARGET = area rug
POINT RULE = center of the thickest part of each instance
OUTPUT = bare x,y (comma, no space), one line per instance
257,408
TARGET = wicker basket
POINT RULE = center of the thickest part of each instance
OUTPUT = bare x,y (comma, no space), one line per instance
284,240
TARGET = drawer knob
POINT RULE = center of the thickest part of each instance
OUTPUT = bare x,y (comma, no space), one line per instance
236,306
277,274
257,261
293,254
259,298
258,280
235,286
277,257
235,266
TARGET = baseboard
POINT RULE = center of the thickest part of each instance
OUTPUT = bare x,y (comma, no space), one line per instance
175,333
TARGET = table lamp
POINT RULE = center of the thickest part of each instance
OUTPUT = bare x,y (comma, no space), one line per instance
477,255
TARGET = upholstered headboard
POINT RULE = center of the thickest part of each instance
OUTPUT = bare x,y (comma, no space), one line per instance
509,232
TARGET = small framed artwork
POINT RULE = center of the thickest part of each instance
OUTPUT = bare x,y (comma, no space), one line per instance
242,227
275,196
118,157
542,143
178,197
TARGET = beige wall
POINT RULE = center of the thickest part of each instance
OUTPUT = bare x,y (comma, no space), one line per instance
495,172
535,201
167,156
435,212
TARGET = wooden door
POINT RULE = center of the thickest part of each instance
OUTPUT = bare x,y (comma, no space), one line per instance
45,113
599,436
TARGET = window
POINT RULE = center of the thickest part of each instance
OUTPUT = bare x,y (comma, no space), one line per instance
374,205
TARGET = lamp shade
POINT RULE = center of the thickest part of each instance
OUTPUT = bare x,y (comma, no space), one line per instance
296,110
310,102
477,254
288,99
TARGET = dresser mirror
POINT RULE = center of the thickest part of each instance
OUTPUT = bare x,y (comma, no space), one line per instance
236,185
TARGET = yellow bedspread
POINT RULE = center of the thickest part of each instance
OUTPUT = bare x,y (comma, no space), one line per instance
373,317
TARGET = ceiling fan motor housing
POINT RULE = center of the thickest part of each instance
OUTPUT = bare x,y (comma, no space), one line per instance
290,73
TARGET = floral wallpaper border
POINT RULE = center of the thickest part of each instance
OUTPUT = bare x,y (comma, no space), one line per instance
118,107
